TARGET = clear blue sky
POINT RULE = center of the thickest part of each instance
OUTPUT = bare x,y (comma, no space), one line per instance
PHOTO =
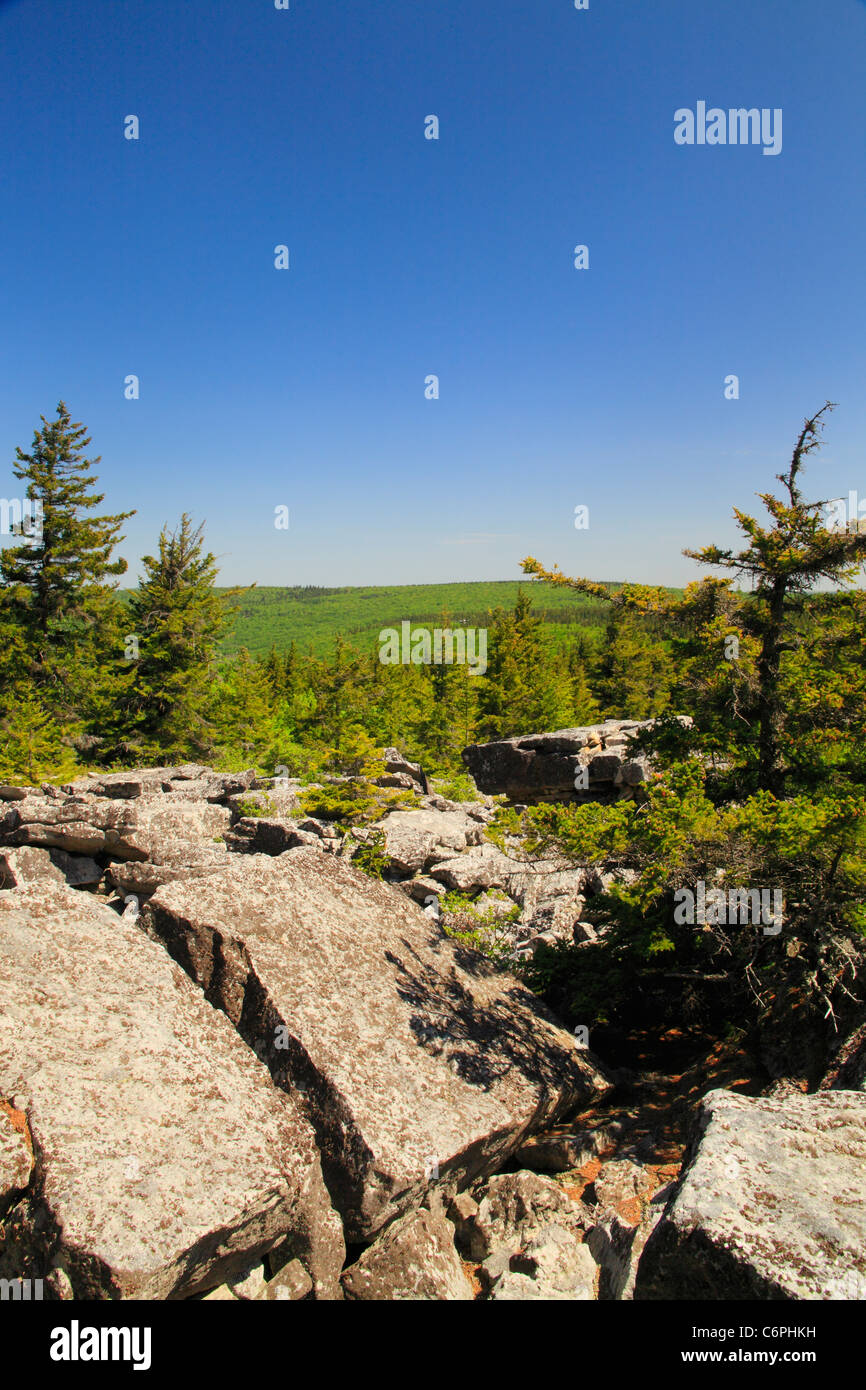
559,387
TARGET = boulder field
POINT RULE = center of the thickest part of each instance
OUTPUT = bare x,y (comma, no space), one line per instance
235,1067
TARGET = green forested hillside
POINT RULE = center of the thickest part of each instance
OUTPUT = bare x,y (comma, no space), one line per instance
312,617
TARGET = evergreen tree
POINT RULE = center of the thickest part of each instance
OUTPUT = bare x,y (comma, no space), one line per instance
30,745
783,562
177,619
633,680
55,585
585,708
746,698
246,714
528,684
447,712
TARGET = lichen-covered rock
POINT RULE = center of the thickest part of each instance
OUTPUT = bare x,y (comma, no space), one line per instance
174,859
166,1159
398,766
415,1059
478,870
509,1209
189,781
414,1258
12,791
122,828
589,763
771,1204
416,839
278,802
556,1265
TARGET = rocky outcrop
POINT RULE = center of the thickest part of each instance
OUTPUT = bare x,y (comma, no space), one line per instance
414,1259
31,865
526,1236
771,1203
169,1133
399,772
416,1061
122,828
190,781
481,868
174,858
165,1160
590,763
416,839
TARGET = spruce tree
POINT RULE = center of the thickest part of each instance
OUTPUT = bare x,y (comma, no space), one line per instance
632,680
30,744
527,686
585,709
177,618
56,582
56,585
247,707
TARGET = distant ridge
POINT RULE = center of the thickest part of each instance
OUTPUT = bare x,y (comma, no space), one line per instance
313,617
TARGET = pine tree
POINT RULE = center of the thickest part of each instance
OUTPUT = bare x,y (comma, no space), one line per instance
527,685
246,716
56,583
177,619
632,679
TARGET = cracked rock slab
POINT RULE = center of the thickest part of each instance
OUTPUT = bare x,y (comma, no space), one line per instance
125,829
544,767
416,839
771,1204
175,859
414,1259
165,1159
416,1061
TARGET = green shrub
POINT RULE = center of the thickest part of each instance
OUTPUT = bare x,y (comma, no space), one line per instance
460,787
482,929
370,855
250,806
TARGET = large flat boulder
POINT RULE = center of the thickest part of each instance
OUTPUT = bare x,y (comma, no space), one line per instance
167,1161
124,828
175,858
30,865
416,839
771,1203
416,1061
545,767
184,782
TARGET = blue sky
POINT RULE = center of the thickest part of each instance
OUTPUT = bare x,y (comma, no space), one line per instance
408,257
